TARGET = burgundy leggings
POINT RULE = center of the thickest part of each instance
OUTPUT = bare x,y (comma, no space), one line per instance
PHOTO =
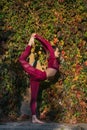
36,75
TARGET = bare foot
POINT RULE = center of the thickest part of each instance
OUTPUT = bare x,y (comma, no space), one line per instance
35,120
31,41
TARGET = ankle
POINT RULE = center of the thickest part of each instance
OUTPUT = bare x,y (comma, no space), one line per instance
29,44
34,117
36,120
31,41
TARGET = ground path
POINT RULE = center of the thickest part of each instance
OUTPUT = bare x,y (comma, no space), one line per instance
27,125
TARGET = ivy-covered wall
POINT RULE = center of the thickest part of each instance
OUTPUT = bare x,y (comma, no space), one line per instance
63,24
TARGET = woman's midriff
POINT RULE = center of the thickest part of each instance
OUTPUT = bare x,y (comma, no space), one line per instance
50,72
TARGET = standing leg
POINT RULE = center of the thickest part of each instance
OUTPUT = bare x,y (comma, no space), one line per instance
34,84
34,92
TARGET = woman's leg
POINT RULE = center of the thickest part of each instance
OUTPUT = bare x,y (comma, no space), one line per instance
34,92
52,61
46,45
33,72
35,77
37,74
34,84
25,54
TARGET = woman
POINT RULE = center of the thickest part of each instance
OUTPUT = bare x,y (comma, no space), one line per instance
37,75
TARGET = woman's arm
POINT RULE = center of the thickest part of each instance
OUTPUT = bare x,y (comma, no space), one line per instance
43,41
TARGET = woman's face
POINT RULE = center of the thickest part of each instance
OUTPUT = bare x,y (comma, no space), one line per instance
57,53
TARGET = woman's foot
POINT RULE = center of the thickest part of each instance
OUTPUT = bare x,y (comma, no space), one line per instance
31,41
35,120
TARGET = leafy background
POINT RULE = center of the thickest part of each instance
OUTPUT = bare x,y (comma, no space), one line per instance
62,23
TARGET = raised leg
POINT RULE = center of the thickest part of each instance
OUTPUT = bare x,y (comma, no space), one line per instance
35,73
46,45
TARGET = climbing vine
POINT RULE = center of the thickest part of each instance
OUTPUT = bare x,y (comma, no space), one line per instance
63,23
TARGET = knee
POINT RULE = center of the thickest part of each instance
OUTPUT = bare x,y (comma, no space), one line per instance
20,60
